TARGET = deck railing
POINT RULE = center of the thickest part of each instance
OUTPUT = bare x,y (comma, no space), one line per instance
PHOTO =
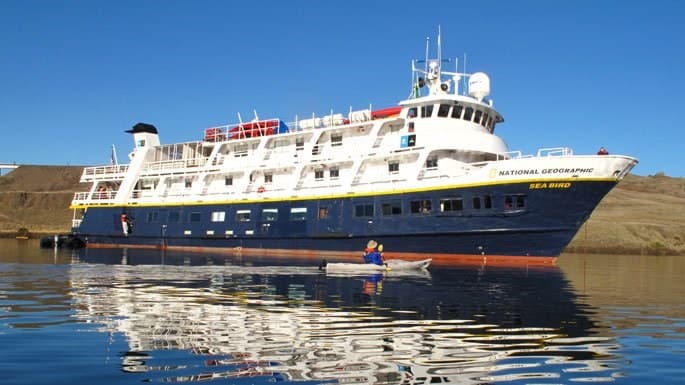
103,197
176,164
105,170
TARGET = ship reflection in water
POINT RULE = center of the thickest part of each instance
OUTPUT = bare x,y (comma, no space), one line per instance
200,318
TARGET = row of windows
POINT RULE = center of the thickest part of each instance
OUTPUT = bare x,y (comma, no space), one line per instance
267,215
387,208
333,173
425,206
456,111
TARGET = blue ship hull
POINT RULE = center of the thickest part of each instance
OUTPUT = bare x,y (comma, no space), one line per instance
510,220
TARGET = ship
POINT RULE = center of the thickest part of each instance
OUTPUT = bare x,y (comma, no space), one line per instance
427,177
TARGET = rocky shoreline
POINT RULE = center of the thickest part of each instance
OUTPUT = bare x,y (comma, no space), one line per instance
643,215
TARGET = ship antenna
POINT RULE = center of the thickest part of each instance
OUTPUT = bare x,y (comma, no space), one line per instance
412,93
427,46
465,75
439,54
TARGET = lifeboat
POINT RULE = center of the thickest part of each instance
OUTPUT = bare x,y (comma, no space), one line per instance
257,128
386,112
214,134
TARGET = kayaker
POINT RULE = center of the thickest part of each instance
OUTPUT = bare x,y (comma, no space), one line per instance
371,255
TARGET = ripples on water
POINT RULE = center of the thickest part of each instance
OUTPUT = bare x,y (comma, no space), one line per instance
244,321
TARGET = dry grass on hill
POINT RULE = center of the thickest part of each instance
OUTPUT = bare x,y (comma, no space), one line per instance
38,198
644,215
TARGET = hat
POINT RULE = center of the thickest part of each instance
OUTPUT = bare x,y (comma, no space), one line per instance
372,244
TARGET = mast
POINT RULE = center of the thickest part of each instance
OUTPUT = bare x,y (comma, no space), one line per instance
113,160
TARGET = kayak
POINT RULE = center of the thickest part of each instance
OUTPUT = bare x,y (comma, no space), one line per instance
390,265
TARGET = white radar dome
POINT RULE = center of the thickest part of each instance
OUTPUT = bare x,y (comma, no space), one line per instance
479,85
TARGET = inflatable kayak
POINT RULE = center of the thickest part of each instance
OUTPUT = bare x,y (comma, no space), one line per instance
391,264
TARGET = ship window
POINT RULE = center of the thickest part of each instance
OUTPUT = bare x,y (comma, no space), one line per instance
487,202
194,217
489,124
228,181
334,173
411,113
451,204
479,113
240,150
420,207
432,163
468,113
426,111
174,216
520,201
189,183
476,203
514,201
443,110
484,122
391,208
363,210
394,167
298,213
323,212
268,178
279,144
299,144
336,140
318,174
270,215
456,111
242,216
152,216
218,216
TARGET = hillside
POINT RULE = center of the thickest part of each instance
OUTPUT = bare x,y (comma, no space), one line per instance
642,215
38,198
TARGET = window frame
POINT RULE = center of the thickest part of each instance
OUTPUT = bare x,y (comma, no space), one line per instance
391,208
269,218
361,210
456,204
218,216
243,215
297,214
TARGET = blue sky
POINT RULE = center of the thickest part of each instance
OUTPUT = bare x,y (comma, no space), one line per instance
583,74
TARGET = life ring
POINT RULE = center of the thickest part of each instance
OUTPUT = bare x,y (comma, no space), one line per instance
260,189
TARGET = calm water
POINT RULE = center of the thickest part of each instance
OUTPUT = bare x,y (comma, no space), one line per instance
133,316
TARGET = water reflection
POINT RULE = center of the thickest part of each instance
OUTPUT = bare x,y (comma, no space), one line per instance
200,317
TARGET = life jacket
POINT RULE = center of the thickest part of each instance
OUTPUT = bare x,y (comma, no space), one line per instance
374,257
